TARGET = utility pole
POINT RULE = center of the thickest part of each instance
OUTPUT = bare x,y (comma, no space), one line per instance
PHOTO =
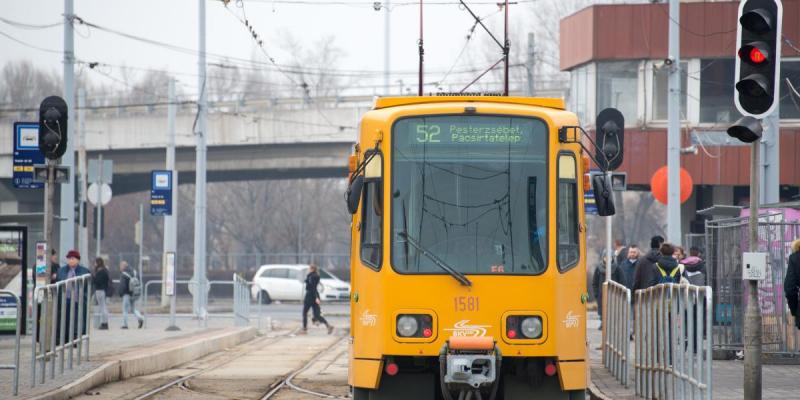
170,221
141,240
769,167
673,130
199,304
529,65
67,212
752,314
387,34
83,231
99,205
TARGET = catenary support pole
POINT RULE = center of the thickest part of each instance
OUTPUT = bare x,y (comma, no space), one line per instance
67,211
99,204
199,304
83,231
529,64
673,129
387,46
170,221
752,315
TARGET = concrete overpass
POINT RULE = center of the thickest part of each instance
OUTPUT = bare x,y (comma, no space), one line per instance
286,140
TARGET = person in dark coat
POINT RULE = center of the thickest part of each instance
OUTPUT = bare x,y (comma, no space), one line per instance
644,276
102,288
311,300
628,266
54,266
597,282
73,269
791,285
126,274
694,268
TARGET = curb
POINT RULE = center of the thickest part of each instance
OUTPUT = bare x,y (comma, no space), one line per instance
133,363
595,393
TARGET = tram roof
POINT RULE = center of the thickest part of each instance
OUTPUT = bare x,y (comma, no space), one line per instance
386,102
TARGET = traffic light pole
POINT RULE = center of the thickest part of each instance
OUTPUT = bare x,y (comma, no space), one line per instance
50,192
769,167
752,316
673,129
67,214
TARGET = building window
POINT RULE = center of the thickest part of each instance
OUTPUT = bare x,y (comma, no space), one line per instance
567,212
790,104
660,91
716,91
580,89
617,86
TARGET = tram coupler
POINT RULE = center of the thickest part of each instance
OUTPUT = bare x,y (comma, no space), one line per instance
470,366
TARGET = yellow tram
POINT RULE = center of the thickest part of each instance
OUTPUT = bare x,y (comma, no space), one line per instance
468,250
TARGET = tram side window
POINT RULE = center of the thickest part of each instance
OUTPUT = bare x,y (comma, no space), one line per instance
567,212
371,224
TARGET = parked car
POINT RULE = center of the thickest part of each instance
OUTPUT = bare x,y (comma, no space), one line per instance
286,282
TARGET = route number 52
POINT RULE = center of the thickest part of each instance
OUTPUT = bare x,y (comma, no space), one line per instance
428,133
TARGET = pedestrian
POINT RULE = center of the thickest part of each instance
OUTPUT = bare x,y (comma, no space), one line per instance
680,253
102,287
791,285
694,268
620,252
312,300
628,266
130,289
597,282
667,267
71,270
54,266
644,275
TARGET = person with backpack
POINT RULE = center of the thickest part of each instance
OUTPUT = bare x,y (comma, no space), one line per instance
644,274
694,268
130,288
668,270
102,290
791,284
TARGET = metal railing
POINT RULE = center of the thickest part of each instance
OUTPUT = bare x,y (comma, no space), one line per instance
241,294
15,365
726,240
60,325
616,346
241,301
673,342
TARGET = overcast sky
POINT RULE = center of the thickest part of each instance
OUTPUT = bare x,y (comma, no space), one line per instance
358,30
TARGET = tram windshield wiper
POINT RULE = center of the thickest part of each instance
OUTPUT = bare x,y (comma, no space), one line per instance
460,277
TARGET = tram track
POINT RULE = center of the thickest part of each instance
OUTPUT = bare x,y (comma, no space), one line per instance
287,381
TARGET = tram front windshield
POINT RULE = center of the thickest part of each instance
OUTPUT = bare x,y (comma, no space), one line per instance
470,190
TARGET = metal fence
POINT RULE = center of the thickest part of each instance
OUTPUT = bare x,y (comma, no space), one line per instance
15,366
673,343
241,301
695,240
726,240
616,347
60,326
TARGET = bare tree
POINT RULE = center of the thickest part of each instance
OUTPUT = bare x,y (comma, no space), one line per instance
22,85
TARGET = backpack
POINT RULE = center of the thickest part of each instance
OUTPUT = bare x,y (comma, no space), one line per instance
134,285
673,276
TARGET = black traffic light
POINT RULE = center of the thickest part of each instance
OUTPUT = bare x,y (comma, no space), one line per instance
758,57
53,127
747,129
609,139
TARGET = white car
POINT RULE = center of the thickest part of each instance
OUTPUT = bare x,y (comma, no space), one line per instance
287,282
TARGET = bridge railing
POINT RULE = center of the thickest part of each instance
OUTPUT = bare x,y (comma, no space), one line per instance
616,345
673,340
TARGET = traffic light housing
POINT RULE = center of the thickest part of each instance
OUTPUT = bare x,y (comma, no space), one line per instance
758,57
609,139
746,129
53,127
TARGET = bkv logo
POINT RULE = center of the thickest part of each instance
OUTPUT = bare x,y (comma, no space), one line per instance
368,319
463,328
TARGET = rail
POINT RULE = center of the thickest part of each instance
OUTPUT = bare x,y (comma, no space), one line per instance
60,326
15,365
241,301
673,341
616,345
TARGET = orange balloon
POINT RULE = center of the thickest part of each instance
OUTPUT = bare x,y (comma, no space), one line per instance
658,185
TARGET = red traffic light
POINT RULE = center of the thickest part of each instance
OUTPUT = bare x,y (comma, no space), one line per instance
755,53
756,56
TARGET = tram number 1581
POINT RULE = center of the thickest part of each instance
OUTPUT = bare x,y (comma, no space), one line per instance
466,303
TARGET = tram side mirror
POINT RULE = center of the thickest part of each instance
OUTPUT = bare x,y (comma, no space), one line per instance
353,194
609,139
603,196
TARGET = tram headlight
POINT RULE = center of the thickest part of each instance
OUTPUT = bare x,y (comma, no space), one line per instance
531,327
407,326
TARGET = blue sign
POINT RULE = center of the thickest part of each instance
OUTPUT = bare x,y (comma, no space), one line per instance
26,155
161,193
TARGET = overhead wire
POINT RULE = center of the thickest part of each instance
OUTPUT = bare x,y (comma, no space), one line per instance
26,44
23,25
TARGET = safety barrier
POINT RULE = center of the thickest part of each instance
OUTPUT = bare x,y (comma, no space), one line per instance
616,345
15,365
60,325
241,295
673,339
241,301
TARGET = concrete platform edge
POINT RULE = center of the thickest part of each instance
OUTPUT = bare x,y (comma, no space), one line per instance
129,367
595,393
